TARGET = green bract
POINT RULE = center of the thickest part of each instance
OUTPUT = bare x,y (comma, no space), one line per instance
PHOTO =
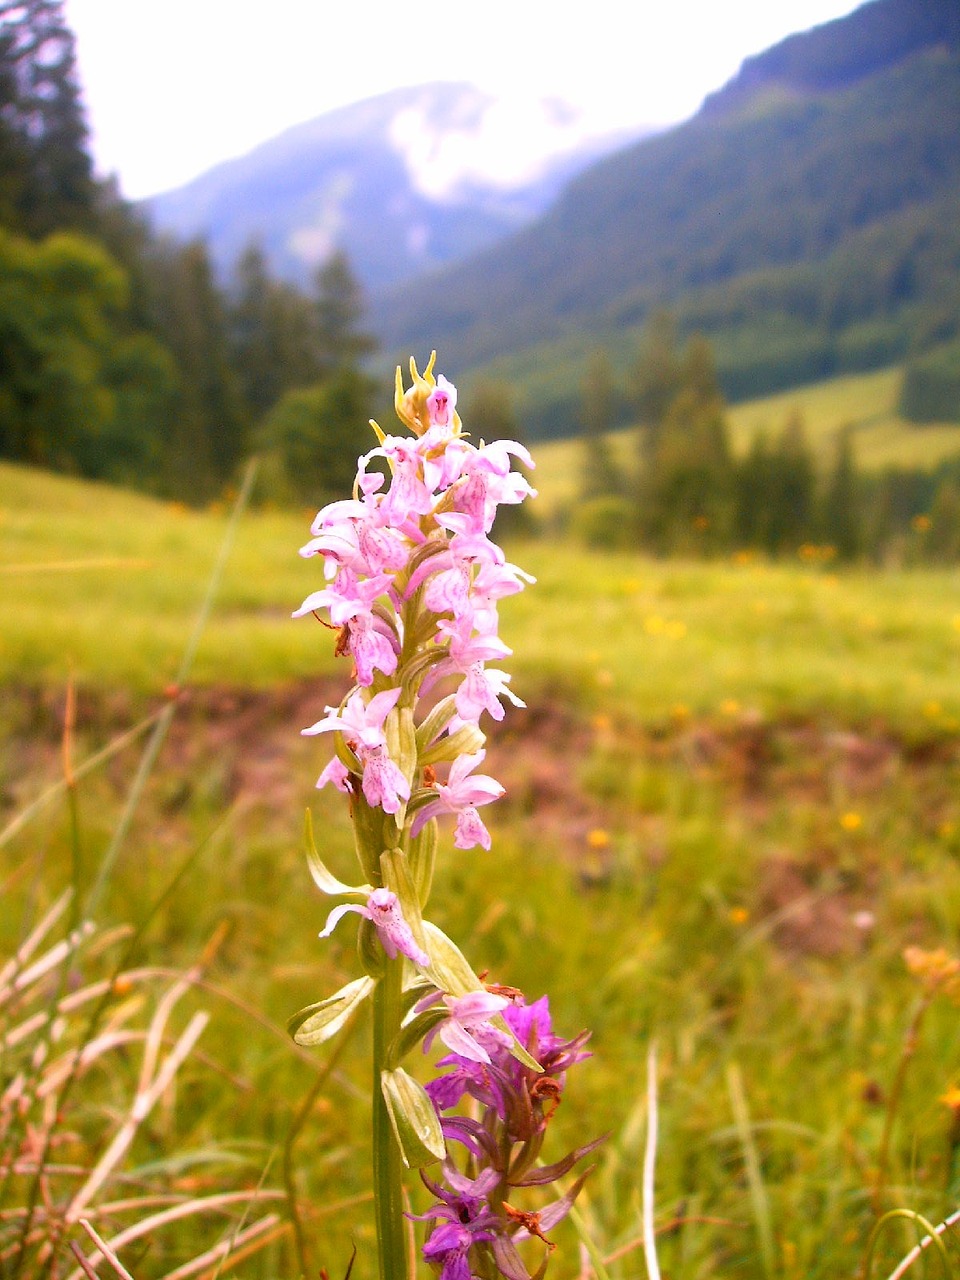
318,1022
414,1118
325,881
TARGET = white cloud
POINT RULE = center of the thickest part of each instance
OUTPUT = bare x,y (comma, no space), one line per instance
508,142
174,86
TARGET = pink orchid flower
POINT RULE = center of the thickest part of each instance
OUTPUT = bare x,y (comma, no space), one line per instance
461,795
361,722
383,909
466,1030
383,783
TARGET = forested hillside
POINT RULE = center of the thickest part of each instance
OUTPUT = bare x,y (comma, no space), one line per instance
122,355
807,219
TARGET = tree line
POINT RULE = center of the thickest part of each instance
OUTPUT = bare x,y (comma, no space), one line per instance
122,356
685,491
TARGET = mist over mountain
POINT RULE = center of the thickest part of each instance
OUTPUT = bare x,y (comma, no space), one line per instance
807,219
404,182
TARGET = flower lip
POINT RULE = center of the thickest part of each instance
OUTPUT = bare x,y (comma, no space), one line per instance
441,403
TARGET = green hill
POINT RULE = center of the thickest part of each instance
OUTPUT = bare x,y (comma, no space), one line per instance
865,403
807,219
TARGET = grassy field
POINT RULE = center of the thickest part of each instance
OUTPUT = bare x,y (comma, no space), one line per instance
864,402
106,585
731,805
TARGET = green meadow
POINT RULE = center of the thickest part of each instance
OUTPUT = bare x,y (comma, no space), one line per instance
732,805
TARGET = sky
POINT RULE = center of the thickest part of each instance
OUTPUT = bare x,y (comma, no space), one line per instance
173,87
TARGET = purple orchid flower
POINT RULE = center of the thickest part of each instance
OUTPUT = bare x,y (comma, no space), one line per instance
533,1027
408,495
481,690
361,535
361,724
347,596
337,774
490,482
466,1219
374,646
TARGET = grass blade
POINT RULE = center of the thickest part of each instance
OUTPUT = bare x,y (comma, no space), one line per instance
649,1163
758,1191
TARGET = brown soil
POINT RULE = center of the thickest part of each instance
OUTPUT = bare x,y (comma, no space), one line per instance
755,769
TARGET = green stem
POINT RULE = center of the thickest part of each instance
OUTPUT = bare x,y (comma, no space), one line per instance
910,1042
387,1165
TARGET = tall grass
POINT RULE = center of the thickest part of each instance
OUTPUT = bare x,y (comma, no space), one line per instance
731,808
654,639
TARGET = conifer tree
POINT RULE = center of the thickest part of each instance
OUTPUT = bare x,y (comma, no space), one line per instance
491,413
751,494
656,378
688,499
697,372
339,308
274,335
597,408
309,362
790,491
47,175
654,385
207,437
842,517
312,435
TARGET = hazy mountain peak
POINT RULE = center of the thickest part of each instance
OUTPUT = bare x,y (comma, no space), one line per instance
405,181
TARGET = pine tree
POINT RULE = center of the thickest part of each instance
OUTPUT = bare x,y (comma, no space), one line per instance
842,518
751,494
601,476
790,491
656,378
339,308
208,436
943,535
654,384
688,497
43,136
312,437
274,335
697,372
490,412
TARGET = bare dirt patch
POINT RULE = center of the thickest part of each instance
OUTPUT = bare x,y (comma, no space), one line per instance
244,748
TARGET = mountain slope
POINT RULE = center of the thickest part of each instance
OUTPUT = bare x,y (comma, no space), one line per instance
839,53
819,148
404,182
